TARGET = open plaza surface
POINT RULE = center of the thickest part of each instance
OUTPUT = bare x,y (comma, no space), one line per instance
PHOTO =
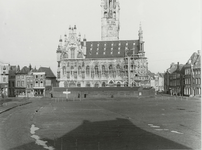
162,122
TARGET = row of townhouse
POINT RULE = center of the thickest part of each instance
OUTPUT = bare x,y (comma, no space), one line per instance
4,71
34,83
25,82
156,81
184,79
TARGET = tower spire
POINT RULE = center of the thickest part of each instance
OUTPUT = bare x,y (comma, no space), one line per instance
140,33
110,19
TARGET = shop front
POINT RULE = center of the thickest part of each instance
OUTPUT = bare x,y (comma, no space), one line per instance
39,92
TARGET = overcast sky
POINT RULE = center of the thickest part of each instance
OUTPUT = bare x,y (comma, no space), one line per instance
30,29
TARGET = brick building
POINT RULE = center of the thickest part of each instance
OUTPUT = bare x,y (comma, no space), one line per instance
192,75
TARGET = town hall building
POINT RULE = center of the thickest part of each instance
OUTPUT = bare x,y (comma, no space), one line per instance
107,63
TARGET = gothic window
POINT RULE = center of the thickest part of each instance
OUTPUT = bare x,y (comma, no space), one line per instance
103,69
103,84
68,75
83,74
72,53
79,84
88,84
96,70
96,85
92,74
126,84
75,74
118,69
72,70
63,70
41,84
79,70
110,69
118,84
87,70
67,64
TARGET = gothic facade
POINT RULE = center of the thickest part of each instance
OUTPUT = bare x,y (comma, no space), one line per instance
109,62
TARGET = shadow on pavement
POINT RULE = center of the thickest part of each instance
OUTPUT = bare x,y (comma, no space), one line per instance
119,134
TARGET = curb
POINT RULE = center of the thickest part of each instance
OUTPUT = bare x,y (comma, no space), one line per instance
7,109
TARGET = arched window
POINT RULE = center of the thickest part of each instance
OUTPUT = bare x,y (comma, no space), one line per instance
103,69
72,84
63,70
126,84
103,84
79,70
110,69
111,82
41,84
133,84
87,70
96,85
96,70
78,84
72,68
88,84
118,84
68,75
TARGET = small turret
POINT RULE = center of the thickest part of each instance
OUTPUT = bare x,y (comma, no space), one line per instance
79,37
140,33
70,30
60,42
84,45
141,42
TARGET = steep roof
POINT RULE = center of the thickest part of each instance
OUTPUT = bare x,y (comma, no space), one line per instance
24,70
48,72
198,62
194,60
110,49
151,74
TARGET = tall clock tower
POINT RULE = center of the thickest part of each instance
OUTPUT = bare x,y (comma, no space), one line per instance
110,20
